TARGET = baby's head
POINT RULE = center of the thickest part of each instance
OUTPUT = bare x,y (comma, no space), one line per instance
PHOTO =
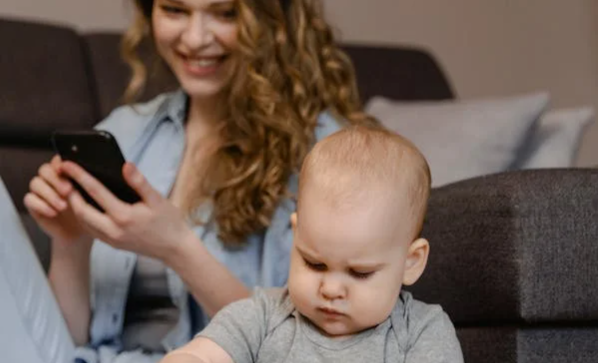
362,198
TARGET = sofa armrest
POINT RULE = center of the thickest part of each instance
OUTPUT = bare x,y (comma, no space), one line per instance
516,246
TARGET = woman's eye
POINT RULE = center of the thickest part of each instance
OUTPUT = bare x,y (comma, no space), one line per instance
361,275
315,266
230,14
172,10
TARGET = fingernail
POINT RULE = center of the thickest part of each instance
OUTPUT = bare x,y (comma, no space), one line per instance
136,175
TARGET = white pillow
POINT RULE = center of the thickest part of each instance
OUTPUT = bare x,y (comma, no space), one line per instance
463,139
556,140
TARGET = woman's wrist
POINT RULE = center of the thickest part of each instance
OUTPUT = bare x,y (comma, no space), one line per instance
72,250
191,260
185,249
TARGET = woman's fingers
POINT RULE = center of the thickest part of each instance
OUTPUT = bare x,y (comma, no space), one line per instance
38,207
52,173
104,197
140,184
43,190
51,177
95,221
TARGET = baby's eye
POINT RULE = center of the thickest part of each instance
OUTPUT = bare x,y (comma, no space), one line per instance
360,275
315,266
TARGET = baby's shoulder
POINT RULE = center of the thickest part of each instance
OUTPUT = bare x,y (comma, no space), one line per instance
414,320
276,303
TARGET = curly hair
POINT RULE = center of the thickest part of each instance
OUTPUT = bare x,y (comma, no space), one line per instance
289,70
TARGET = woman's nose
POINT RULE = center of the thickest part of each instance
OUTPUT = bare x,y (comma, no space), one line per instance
197,34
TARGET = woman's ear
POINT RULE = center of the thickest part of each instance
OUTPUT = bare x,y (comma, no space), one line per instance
417,258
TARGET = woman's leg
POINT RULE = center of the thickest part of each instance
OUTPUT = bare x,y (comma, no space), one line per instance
31,326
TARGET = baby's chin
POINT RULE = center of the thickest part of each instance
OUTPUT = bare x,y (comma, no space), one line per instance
334,329
339,331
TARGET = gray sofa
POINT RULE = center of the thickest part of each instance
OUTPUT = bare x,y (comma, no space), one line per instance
513,257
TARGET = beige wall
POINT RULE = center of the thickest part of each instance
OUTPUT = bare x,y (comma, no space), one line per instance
83,14
487,47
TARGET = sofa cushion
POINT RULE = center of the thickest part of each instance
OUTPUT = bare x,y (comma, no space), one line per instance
488,344
18,165
514,247
43,82
464,139
110,74
546,344
399,73
556,139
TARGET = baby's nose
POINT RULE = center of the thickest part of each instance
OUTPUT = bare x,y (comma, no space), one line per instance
332,287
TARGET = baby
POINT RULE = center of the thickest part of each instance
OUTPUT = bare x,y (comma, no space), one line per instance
361,204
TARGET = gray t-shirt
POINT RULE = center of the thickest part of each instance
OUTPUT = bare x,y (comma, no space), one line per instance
267,328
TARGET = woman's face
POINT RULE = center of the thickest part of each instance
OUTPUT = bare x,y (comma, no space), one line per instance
196,38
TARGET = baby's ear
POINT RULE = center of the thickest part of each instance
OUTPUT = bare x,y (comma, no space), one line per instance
417,258
294,221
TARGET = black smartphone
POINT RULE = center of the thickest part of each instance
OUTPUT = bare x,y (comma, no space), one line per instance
99,154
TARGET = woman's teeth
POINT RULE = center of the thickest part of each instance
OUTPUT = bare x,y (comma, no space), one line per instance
203,62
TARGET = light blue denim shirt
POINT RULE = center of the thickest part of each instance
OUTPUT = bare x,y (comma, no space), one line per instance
153,137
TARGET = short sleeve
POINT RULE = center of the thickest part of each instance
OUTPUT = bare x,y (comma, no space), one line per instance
240,327
436,341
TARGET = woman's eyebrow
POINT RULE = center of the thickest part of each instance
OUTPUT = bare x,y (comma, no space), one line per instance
221,4
177,2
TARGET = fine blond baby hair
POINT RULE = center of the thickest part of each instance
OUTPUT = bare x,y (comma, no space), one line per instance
352,162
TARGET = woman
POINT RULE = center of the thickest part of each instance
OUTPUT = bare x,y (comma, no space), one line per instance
261,81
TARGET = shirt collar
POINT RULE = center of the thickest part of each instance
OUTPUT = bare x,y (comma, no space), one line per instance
175,110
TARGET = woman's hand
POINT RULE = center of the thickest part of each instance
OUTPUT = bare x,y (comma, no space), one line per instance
152,227
47,204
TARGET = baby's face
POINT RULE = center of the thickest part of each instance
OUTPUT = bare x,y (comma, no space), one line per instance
347,263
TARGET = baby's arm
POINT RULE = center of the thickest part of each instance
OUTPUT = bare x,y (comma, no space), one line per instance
234,334
199,350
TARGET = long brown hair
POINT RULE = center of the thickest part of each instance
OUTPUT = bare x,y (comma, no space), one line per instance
289,71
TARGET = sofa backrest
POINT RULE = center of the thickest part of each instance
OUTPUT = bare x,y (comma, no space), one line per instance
44,85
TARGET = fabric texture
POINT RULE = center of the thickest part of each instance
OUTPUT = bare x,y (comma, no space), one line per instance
556,139
37,94
524,243
464,139
267,328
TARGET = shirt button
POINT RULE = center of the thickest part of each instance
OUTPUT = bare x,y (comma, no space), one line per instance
114,318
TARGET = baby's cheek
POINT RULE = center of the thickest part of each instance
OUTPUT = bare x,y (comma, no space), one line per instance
377,304
302,295
300,284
